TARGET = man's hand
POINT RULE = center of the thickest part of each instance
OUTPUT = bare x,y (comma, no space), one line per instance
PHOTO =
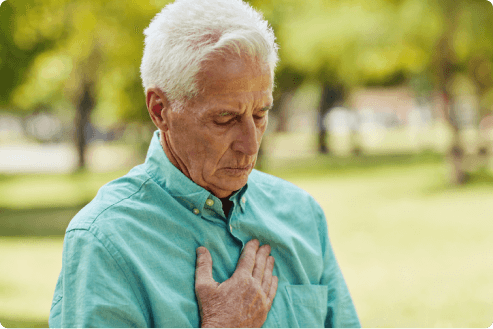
244,299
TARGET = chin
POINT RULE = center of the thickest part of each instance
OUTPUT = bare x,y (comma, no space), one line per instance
232,184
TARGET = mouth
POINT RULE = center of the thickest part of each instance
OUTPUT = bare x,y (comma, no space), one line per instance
238,170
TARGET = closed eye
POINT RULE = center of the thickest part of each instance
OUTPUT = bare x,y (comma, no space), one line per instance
262,113
225,118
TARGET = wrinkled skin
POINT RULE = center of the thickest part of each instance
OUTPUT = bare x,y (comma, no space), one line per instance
242,301
215,139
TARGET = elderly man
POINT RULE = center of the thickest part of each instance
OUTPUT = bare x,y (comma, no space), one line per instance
195,236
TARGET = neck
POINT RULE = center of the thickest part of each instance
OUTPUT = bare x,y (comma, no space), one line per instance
168,150
171,155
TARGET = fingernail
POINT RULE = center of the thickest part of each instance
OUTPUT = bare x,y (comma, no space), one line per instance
199,251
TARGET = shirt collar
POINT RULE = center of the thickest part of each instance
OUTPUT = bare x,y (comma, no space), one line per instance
170,178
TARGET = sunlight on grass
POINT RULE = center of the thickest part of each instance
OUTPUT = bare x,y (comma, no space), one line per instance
414,253
28,275
29,191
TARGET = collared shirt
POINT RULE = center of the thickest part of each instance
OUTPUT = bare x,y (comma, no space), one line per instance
129,255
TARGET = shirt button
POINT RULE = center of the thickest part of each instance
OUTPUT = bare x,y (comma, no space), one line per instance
196,211
209,202
243,199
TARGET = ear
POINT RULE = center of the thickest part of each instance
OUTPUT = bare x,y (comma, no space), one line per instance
158,107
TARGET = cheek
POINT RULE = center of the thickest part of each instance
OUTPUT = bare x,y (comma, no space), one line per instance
209,149
186,142
218,147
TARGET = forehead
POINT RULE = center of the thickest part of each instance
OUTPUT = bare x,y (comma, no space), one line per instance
227,76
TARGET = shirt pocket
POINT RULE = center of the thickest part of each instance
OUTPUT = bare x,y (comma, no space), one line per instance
309,305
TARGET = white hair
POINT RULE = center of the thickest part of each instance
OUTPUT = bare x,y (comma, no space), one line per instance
187,33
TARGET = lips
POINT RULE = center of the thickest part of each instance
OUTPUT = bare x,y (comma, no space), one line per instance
242,167
238,170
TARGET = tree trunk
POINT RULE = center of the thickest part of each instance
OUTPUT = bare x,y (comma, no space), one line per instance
456,152
82,123
322,134
331,95
481,72
446,69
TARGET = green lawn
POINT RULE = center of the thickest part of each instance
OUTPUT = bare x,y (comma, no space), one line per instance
415,252
30,268
51,190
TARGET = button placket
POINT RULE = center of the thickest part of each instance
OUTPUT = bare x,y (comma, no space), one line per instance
234,220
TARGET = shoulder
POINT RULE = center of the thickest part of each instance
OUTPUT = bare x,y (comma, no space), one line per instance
274,188
111,198
267,183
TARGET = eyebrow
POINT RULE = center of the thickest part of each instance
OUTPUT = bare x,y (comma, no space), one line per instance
225,112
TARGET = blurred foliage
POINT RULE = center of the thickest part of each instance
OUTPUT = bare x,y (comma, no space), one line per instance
51,48
54,48
378,42
83,56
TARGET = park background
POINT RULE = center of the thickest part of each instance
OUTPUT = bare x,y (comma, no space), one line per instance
383,112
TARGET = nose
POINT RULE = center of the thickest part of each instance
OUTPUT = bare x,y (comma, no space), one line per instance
246,139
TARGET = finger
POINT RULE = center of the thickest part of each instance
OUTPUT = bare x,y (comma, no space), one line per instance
247,258
260,261
267,279
203,267
273,289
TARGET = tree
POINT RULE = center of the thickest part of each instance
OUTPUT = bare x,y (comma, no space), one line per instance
16,52
464,48
332,93
82,56
340,45
344,44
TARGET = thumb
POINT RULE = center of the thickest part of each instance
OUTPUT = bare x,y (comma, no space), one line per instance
203,268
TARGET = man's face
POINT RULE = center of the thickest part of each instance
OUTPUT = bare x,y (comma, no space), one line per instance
215,139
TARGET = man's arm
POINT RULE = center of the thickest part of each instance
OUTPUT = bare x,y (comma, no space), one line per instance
93,290
244,299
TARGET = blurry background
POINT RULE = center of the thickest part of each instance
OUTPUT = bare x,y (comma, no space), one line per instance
383,112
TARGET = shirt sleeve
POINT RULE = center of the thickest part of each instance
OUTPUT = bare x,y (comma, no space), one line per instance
341,312
93,289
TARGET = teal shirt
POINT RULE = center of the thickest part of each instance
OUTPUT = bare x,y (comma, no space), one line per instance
129,255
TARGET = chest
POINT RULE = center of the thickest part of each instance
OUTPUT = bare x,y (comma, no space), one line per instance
164,265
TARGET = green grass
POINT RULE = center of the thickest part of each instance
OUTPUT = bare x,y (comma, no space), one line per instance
24,323
415,251
30,268
324,165
51,190
50,221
